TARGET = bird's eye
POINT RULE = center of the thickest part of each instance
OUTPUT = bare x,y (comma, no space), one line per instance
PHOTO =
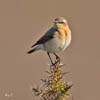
61,22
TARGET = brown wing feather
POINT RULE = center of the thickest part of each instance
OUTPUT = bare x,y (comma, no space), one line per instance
43,40
48,36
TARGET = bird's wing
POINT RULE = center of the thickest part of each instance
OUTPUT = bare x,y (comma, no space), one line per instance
48,36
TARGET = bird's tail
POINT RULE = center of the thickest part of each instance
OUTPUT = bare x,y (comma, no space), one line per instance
33,50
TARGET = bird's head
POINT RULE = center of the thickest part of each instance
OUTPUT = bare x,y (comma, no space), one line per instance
60,22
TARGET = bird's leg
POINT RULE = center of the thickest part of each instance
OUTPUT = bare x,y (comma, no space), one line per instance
50,58
57,58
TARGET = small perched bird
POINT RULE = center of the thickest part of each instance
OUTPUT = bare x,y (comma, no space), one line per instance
56,39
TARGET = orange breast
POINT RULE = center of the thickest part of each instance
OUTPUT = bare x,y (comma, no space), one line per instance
64,33
61,34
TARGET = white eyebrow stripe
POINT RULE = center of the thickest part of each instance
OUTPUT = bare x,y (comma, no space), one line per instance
64,21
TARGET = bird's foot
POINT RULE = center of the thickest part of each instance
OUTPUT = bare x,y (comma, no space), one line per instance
57,60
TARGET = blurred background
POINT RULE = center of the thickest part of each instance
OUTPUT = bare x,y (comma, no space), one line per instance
23,22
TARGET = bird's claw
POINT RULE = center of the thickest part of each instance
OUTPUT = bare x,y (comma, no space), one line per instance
57,60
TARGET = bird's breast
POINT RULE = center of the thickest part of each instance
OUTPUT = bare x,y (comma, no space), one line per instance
64,35
53,45
59,42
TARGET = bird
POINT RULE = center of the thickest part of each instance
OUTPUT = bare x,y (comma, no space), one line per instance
56,39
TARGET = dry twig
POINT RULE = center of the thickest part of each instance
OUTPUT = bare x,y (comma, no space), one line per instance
54,86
